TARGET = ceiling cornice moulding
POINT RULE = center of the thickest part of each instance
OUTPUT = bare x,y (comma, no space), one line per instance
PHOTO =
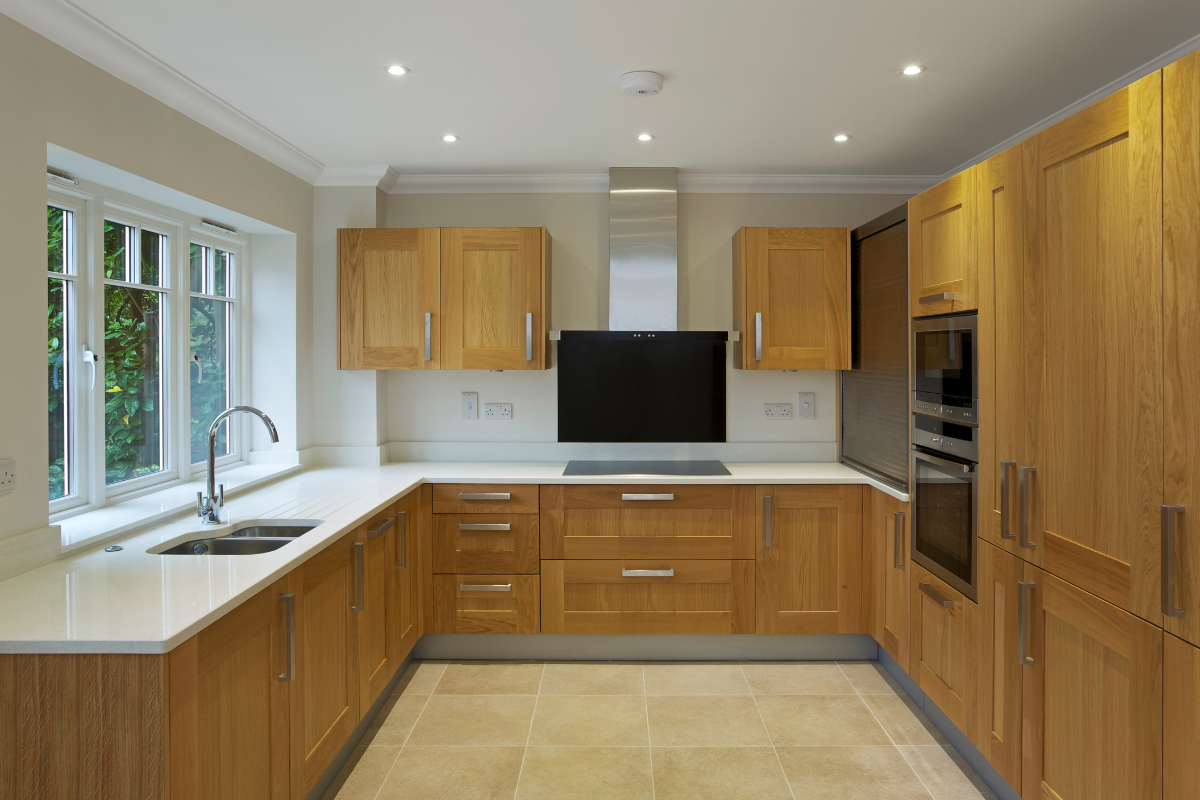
381,176
689,183
72,28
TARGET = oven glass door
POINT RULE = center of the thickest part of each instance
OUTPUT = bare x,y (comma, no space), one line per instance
944,512
942,362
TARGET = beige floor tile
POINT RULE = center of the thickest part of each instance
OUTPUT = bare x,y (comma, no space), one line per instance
695,679
813,720
395,721
903,721
364,774
593,679
484,677
705,722
946,774
586,773
850,773
474,720
454,773
797,679
421,677
573,721
718,773
870,678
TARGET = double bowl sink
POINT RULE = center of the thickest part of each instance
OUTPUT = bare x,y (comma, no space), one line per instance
250,538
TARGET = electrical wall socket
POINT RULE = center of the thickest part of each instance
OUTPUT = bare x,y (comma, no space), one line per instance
470,405
777,410
8,476
808,406
497,410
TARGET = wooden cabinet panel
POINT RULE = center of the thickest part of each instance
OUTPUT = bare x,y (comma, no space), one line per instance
485,604
455,498
885,573
809,559
602,597
494,290
409,521
1092,699
1181,719
377,626
792,298
998,734
696,522
486,543
941,247
388,280
944,638
1094,419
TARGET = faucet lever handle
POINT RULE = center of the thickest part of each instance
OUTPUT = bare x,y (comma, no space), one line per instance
199,504
221,495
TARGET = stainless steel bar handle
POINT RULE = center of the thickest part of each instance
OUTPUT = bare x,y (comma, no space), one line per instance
898,546
485,587
1023,589
529,336
1025,472
373,533
758,336
1004,468
403,516
1167,528
289,601
485,495
647,573
362,595
934,596
666,496
767,520
485,526
937,298
428,336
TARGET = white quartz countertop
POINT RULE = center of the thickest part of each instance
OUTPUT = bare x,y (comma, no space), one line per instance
133,601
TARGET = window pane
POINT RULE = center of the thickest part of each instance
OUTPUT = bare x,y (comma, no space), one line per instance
154,258
222,273
57,328
210,396
197,258
134,429
118,251
58,223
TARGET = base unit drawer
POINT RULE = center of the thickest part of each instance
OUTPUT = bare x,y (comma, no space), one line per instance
485,498
486,543
643,596
464,603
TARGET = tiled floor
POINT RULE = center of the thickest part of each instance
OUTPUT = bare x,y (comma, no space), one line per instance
727,731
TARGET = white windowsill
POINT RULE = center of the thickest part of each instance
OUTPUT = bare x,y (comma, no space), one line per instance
94,527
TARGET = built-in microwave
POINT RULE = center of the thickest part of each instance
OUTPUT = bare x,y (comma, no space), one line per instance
944,368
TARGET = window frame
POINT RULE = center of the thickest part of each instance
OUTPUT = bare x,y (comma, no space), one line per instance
78,399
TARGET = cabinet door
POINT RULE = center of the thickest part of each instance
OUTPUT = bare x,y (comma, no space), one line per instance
1002,307
1181,719
325,696
388,298
494,289
377,606
1091,698
889,527
941,248
409,520
808,570
1181,298
998,734
1094,416
944,638
792,298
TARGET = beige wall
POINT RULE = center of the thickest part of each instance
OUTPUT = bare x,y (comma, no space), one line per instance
52,96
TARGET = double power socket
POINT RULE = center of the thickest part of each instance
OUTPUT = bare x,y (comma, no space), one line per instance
470,408
807,408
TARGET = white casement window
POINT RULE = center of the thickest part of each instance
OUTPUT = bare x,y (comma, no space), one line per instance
144,350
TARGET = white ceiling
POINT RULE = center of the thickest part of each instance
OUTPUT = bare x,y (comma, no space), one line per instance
758,86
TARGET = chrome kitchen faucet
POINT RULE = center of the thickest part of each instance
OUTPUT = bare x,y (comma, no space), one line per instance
209,508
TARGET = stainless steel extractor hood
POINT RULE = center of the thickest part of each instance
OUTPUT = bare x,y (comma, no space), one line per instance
643,249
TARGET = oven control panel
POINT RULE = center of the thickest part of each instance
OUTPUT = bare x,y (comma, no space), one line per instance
957,409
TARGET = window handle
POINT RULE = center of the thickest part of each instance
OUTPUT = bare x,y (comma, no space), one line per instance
90,357
199,367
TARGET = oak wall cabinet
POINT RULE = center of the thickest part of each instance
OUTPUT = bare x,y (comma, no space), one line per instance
885,571
941,247
791,298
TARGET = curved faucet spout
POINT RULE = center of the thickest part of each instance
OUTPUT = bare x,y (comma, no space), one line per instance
211,508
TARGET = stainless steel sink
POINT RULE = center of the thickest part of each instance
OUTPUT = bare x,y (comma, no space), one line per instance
250,538
275,528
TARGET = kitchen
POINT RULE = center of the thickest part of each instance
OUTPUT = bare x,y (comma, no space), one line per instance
724,480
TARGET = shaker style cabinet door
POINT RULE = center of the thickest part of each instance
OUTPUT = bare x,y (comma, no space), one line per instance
998,734
944,630
941,249
1093,467
406,537
495,285
885,573
388,298
1181,719
791,298
377,605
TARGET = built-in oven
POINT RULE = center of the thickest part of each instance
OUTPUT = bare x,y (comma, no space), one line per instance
944,494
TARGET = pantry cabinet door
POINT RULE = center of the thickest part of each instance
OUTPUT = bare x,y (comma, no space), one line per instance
998,734
1181,719
941,249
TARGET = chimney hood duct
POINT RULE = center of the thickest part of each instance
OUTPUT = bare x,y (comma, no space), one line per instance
643,249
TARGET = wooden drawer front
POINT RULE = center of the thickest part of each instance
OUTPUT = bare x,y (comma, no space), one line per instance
700,597
603,522
453,498
471,543
458,608
940,644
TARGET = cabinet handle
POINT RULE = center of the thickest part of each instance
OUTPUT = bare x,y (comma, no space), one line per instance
289,605
1025,472
358,551
934,596
403,517
938,298
485,526
1167,526
647,573
373,533
428,336
667,496
485,495
758,336
898,522
529,336
1004,467
767,521
1023,589
485,587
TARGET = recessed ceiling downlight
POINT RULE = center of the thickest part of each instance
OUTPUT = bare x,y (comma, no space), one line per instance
841,137
396,69
913,69
449,137
644,137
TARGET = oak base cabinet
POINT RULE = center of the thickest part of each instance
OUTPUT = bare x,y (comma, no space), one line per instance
1181,719
885,572
997,732
944,631
485,604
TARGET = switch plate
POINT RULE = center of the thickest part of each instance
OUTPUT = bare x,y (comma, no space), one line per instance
808,406
470,405
497,410
777,410
8,476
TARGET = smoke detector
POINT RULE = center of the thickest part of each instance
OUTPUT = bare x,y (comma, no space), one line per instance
641,83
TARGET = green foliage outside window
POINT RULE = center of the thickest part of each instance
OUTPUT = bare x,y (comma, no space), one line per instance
56,353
